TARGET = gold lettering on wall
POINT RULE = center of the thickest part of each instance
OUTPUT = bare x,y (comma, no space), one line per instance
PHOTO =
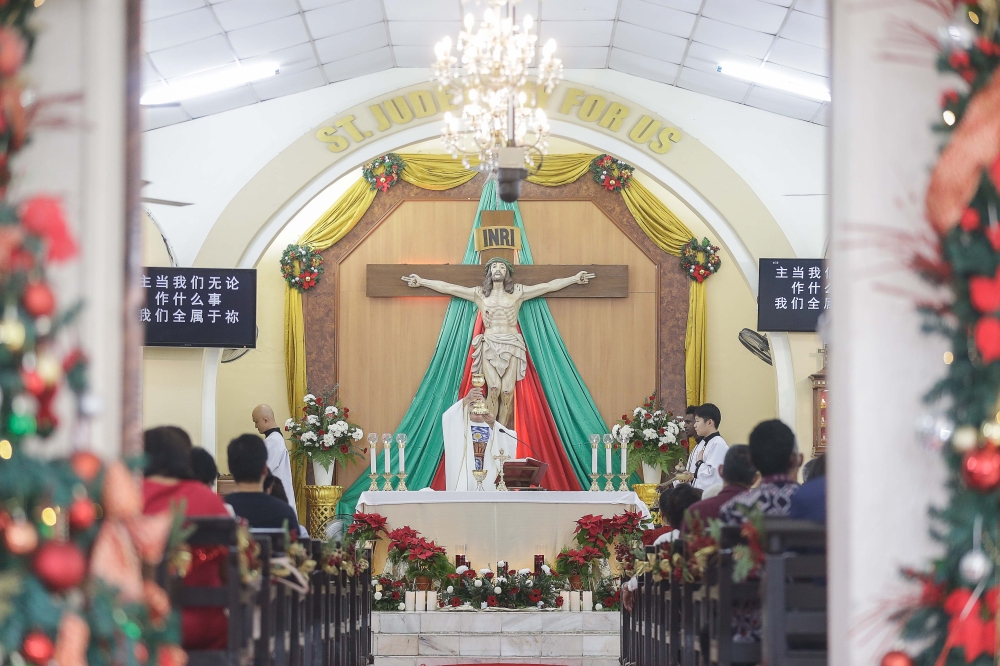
577,104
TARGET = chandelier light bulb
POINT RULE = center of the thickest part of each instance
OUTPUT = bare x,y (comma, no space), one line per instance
528,22
549,48
470,20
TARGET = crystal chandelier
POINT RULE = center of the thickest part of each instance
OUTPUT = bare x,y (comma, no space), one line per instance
501,128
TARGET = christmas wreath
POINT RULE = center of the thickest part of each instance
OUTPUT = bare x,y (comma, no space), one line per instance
383,172
613,174
301,266
700,259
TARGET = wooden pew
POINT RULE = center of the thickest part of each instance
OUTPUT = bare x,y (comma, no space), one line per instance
723,598
794,589
232,595
271,647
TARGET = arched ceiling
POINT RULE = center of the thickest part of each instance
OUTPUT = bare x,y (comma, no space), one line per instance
317,42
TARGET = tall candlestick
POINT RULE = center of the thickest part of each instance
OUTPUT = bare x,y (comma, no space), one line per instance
373,449
624,457
401,440
388,461
594,439
607,461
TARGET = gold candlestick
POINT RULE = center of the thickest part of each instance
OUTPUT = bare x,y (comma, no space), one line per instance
624,482
387,481
374,483
402,481
608,483
593,483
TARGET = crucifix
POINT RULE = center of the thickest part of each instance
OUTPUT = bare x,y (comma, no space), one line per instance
499,353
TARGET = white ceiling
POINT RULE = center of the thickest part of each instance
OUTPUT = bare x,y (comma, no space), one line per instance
316,42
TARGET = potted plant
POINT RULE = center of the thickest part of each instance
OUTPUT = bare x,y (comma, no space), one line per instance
427,563
324,436
366,528
574,563
653,436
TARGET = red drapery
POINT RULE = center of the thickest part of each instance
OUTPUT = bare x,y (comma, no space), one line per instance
533,423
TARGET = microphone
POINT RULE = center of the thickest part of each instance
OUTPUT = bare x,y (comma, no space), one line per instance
512,435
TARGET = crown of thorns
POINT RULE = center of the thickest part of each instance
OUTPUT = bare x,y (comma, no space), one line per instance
499,260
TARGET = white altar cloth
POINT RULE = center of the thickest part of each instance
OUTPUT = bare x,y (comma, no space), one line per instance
493,525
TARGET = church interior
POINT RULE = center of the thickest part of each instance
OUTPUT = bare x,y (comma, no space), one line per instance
454,332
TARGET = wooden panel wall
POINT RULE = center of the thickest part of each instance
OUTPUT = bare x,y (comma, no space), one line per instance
612,341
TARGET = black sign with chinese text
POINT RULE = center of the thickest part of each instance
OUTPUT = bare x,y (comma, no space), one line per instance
200,307
792,294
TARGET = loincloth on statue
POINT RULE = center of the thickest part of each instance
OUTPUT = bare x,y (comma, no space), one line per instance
500,350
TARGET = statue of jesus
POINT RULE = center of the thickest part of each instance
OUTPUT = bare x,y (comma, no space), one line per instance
500,345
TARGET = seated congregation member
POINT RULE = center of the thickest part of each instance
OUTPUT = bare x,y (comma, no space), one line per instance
809,501
738,475
203,467
776,456
168,482
674,502
274,488
709,455
248,465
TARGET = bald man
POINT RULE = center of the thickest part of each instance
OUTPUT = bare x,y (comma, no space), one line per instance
277,452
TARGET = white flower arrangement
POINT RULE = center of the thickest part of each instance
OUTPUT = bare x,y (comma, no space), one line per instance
312,419
461,570
598,606
401,606
501,565
547,569
322,434
652,434
483,572
497,590
308,398
528,583
331,410
450,589
649,434
478,582
625,434
524,571
378,596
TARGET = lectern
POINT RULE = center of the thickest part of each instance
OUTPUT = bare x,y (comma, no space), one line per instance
524,473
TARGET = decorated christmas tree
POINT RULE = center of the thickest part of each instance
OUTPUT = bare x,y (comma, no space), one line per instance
74,544
955,620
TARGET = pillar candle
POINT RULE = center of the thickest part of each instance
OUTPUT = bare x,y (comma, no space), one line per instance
388,468
402,460
565,598
624,456
587,601
410,601
593,459
374,452
574,601
607,460
432,601
421,601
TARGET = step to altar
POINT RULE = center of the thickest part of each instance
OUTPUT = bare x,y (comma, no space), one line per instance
443,638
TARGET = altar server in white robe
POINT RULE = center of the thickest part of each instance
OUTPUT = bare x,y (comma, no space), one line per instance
705,460
460,433
277,453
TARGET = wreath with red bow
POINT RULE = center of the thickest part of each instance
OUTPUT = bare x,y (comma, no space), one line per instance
700,259
301,267
383,172
611,173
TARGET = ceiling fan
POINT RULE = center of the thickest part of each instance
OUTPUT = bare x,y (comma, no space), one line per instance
757,344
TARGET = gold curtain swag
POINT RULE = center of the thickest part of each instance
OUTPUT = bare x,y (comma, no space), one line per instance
442,172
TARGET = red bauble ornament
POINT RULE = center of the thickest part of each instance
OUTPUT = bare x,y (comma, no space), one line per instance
896,658
60,565
37,648
38,300
20,537
82,514
981,468
85,465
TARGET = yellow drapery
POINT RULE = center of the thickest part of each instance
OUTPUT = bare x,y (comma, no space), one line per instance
442,172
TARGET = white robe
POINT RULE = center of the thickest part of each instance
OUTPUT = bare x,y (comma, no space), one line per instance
279,463
459,456
715,455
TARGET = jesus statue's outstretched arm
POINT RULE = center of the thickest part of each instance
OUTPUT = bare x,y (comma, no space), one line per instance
456,290
536,290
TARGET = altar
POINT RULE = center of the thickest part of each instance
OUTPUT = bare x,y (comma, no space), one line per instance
492,525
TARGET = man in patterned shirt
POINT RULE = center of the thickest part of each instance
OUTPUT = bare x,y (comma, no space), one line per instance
776,456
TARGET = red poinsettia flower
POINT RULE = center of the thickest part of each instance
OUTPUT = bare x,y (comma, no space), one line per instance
456,602
605,161
385,181
491,601
307,279
609,182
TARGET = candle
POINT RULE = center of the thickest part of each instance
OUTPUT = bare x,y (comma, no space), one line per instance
374,456
593,458
388,462
607,460
410,601
574,601
624,456
565,600
402,459
539,561
421,601
587,602
432,601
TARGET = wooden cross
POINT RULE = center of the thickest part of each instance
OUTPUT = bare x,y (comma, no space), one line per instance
383,280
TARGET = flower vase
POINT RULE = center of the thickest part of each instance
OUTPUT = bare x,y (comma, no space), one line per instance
651,473
576,581
423,582
322,475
